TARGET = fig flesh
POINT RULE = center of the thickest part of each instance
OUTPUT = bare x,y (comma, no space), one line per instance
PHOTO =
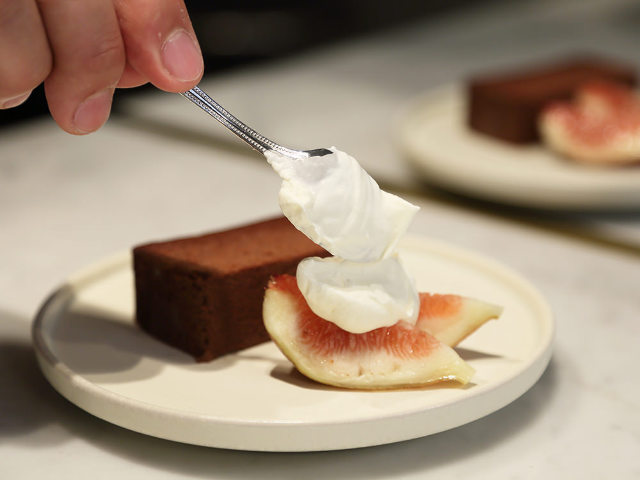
402,355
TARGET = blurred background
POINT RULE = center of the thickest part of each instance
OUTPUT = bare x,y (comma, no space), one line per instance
356,66
236,33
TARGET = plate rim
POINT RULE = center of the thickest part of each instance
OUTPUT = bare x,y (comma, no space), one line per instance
250,434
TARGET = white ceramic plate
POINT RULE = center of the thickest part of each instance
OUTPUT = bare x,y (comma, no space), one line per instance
433,135
91,351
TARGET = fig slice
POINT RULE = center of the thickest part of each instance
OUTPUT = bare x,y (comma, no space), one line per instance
600,126
452,318
402,355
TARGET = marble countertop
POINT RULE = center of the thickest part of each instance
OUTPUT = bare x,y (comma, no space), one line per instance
152,173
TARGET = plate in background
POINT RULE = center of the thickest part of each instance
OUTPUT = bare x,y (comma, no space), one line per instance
433,135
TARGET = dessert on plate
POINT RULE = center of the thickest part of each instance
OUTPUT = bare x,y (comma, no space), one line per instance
339,302
506,105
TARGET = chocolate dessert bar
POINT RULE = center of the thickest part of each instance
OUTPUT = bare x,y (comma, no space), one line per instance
204,294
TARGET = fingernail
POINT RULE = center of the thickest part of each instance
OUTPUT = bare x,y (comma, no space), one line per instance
15,101
93,112
181,56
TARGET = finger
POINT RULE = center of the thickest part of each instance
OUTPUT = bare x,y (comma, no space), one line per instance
131,78
24,51
160,42
88,60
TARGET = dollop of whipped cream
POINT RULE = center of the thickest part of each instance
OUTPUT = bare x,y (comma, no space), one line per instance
358,296
333,201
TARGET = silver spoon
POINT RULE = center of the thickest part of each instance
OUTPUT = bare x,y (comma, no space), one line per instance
253,138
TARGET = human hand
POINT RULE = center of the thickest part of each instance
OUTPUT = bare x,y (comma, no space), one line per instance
84,49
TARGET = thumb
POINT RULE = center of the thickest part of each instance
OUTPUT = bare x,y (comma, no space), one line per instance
160,44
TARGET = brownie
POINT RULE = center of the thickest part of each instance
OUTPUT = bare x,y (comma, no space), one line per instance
506,105
204,294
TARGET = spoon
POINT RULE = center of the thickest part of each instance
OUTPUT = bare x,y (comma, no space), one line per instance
253,138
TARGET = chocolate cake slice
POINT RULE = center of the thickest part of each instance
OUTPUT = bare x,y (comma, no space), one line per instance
506,105
204,294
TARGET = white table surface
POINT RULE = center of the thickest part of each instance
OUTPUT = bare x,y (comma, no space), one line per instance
67,201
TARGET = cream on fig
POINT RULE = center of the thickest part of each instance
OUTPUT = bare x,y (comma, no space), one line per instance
333,201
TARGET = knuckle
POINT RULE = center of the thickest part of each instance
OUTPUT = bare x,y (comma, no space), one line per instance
107,56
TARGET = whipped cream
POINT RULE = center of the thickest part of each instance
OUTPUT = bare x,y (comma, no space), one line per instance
333,201
358,296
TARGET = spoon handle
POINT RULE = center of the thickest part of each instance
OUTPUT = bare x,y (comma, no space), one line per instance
206,103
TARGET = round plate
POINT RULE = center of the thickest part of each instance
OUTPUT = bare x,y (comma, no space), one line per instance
433,135
91,351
